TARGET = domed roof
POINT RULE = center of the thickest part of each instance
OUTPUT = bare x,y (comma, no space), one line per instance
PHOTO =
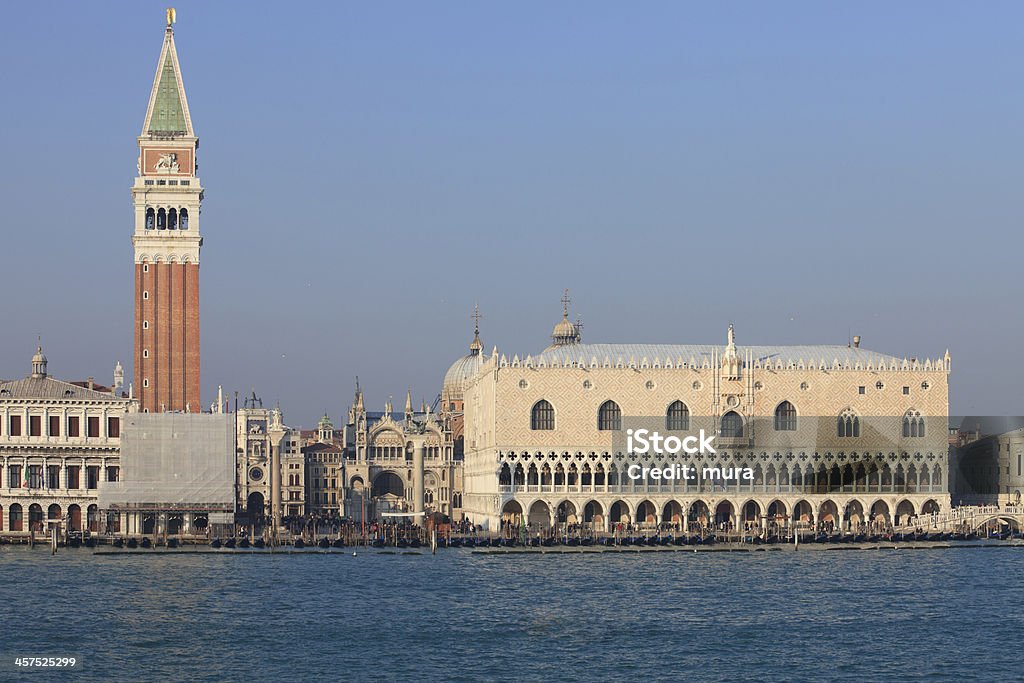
465,367
564,330
39,363
459,372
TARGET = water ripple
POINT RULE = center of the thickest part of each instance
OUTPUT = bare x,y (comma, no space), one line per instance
812,616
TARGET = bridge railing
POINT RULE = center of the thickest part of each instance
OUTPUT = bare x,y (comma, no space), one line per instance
957,516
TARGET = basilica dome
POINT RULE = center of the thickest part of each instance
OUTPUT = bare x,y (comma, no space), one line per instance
459,372
463,369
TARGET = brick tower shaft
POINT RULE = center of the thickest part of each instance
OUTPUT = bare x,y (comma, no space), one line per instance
167,196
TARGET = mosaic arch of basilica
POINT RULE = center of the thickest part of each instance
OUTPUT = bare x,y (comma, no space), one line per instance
834,435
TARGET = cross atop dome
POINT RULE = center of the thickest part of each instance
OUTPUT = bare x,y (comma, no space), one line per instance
565,332
476,346
476,317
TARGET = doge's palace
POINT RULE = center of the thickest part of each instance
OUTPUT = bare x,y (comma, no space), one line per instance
835,436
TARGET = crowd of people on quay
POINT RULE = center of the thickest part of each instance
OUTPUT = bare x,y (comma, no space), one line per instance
723,530
316,527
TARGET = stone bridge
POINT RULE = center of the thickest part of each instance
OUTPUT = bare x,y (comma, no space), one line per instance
973,517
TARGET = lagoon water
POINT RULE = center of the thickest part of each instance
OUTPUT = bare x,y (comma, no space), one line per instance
922,615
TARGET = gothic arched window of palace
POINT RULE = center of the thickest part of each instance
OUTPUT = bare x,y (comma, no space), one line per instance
732,425
913,424
609,417
677,418
785,417
848,424
542,417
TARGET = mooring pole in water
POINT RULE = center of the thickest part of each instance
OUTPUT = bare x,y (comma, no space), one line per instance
433,541
53,540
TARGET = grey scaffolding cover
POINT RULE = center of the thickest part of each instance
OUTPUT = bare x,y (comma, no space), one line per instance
174,461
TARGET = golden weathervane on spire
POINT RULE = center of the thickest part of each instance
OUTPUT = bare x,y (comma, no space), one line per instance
171,16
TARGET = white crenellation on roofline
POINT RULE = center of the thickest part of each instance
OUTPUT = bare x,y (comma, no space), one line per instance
674,357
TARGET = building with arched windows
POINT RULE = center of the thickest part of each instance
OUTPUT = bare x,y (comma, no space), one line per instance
834,435
398,462
59,441
258,432
167,195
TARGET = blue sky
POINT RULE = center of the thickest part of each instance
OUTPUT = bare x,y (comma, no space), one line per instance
802,170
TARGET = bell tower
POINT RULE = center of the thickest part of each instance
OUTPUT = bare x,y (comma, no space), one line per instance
167,195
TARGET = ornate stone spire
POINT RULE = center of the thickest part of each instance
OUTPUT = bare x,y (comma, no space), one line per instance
118,379
357,411
731,359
